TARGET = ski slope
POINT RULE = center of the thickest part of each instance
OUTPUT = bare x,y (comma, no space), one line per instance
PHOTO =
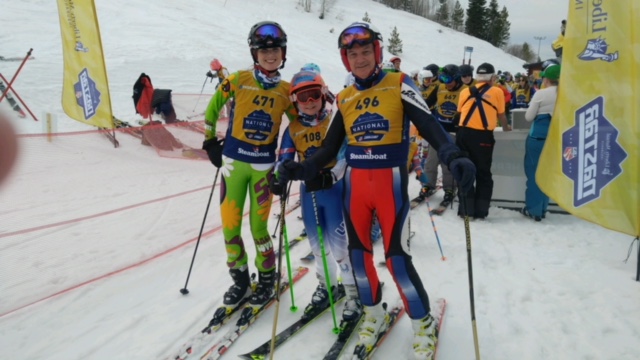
95,242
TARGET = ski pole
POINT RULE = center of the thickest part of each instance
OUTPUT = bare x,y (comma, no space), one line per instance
184,290
201,91
283,235
327,278
463,203
435,231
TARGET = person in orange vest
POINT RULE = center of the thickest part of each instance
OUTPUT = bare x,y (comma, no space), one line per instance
480,107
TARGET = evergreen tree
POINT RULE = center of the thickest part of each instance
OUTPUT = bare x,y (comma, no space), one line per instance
494,27
457,17
395,44
505,34
442,15
366,17
475,25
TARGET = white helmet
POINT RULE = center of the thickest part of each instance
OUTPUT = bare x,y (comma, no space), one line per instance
424,74
388,65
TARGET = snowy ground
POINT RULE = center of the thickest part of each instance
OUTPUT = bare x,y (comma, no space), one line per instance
95,242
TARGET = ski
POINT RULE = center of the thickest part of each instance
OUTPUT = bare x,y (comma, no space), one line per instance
221,316
347,329
12,102
309,257
289,209
262,351
248,316
15,58
295,241
442,207
362,352
439,315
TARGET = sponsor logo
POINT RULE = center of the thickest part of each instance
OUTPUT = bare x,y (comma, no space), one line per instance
570,153
367,155
87,94
369,127
255,153
596,47
592,155
409,95
257,125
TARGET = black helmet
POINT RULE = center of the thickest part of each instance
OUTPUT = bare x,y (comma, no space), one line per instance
449,73
433,68
267,34
465,70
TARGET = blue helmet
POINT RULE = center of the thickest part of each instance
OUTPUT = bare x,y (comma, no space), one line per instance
311,67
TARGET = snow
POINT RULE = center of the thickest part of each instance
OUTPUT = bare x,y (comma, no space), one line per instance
100,277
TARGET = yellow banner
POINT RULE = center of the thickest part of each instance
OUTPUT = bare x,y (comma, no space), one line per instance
85,91
590,163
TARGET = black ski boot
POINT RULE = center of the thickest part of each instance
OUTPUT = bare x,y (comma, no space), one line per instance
241,288
265,289
426,192
448,198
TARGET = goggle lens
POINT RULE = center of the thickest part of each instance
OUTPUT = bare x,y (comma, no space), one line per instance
268,32
355,35
306,96
445,79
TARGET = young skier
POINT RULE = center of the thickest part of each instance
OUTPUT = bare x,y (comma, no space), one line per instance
322,194
374,116
246,157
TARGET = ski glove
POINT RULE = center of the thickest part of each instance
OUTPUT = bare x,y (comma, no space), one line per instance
276,185
291,170
213,147
322,181
464,171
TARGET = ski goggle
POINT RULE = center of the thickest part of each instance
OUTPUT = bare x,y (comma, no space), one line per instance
268,34
355,35
445,78
306,96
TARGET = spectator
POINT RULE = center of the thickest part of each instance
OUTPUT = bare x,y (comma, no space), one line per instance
540,112
480,110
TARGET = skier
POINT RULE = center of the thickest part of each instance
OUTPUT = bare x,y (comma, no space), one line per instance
376,177
247,155
466,74
522,93
322,194
217,71
445,101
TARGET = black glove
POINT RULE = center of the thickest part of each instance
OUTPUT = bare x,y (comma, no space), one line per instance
211,75
213,147
291,170
276,185
464,171
322,181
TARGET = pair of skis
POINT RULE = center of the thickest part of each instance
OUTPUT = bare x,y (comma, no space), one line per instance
348,329
202,342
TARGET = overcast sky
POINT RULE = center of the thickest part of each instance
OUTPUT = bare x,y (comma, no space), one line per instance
531,18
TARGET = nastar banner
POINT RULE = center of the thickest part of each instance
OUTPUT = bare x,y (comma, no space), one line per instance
590,164
85,91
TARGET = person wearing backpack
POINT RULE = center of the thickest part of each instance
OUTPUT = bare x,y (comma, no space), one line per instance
480,107
246,157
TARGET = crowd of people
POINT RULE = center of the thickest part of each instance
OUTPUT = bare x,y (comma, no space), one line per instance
437,116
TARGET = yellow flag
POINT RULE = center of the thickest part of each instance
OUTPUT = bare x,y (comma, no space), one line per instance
590,164
85,91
